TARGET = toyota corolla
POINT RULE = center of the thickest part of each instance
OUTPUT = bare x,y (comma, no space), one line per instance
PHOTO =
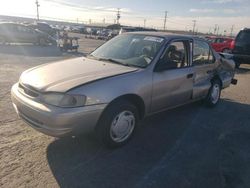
128,78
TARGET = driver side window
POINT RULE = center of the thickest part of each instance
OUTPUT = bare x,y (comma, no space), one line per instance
175,56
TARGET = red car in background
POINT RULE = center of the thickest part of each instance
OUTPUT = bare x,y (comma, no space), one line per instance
221,44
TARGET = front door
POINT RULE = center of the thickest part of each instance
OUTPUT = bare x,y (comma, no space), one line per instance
173,77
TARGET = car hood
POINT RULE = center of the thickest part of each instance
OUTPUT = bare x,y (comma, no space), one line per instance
64,75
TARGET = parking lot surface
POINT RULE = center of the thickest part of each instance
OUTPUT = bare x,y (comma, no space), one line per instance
190,146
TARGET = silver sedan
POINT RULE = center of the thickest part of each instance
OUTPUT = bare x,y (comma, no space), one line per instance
131,76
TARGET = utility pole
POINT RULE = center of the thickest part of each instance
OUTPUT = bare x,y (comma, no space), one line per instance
118,16
37,9
145,23
232,29
218,28
194,25
209,31
103,20
165,20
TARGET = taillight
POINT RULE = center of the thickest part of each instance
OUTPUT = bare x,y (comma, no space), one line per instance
232,45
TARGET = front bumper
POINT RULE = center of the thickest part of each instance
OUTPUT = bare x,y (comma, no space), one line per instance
55,121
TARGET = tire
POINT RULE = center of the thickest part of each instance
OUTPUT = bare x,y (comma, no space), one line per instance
214,93
117,124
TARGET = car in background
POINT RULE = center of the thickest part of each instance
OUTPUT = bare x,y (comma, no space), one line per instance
103,34
131,76
241,47
79,29
220,44
20,33
135,29
44,27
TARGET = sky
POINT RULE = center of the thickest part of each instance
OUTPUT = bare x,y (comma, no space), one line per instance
181,13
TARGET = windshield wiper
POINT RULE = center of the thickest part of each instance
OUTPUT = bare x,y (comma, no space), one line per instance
113,61
90,56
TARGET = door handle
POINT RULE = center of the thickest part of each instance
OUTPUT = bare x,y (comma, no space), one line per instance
190,75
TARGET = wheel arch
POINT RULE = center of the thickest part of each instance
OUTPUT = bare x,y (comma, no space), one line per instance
217,77
134,99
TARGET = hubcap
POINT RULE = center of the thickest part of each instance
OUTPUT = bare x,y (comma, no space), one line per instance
215,94
122,126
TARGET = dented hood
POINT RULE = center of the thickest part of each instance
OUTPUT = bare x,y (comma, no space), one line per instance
64,75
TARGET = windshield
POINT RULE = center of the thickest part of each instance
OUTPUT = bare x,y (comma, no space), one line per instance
130,50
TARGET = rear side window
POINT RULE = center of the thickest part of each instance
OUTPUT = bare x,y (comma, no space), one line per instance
202,53
243,36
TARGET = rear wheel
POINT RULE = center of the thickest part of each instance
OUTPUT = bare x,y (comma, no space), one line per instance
117,124
214,93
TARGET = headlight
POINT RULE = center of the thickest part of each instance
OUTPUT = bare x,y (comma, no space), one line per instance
64,100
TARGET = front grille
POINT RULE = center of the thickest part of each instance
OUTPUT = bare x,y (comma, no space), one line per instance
27,91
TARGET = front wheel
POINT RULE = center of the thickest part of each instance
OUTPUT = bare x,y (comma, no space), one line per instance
214,93
117,124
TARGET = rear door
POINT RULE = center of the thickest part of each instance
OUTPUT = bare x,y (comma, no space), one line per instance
173,77
204,67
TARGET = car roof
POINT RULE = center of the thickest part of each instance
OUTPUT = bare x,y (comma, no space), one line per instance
220,37
167,35
245,29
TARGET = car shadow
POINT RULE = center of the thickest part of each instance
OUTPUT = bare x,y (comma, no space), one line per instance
183,147
35,51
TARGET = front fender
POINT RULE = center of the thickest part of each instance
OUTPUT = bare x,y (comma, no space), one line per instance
106,90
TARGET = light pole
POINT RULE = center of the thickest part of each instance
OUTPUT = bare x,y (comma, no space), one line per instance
165,20
37,9
194,26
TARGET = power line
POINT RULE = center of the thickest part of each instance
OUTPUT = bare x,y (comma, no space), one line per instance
37,9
